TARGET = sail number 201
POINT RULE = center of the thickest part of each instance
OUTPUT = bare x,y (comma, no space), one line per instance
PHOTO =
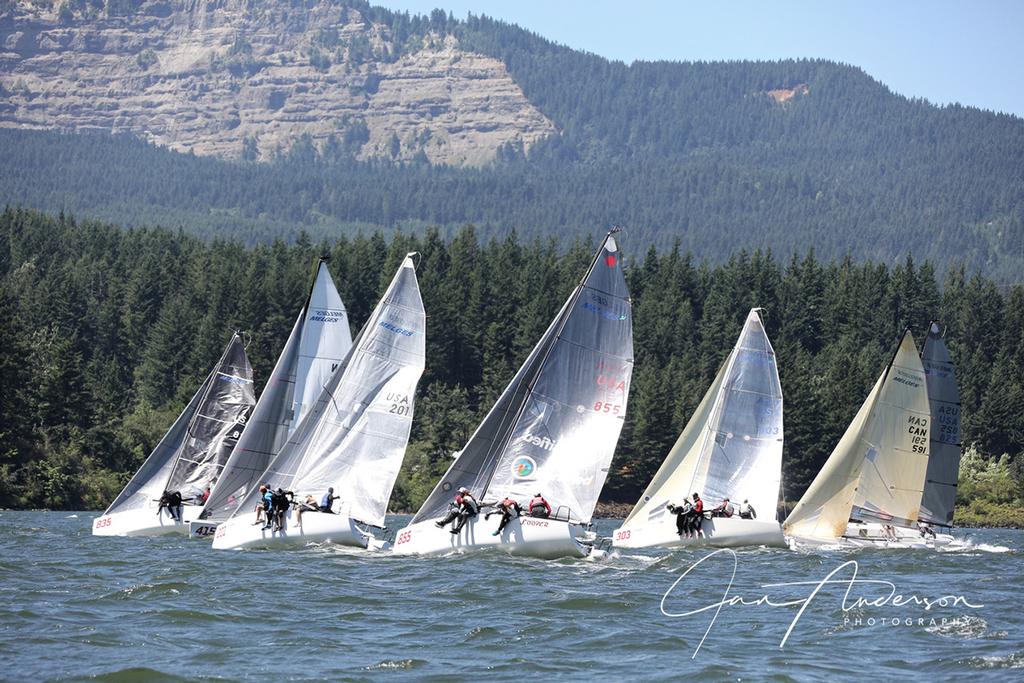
603,407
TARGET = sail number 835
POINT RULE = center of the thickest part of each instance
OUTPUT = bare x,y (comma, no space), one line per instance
613,408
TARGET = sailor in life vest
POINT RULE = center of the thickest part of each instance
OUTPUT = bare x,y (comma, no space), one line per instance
539,507
508,509
464,507
747,510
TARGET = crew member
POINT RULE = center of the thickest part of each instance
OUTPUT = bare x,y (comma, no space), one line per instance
328,500
539,507
747,510
464,507
508,509
682,513
723,510
697,516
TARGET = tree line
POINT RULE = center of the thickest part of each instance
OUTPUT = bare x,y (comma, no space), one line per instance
105,333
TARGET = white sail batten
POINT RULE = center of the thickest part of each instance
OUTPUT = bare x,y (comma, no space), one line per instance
555,426
355,435
192,453
732,445
879,463
306,354
944,462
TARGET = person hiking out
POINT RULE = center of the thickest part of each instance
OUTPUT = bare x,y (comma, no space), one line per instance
464,507
697,516
682,513
264,505
280,502
172,501
508,509
539,507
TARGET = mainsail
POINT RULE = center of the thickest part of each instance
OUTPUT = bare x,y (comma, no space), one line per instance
554,428
876,472
319,340
192,453
732,445
354,437
944,462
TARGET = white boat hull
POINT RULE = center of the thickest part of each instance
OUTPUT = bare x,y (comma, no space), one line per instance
718,532
526,536
315,527
145,522
873,535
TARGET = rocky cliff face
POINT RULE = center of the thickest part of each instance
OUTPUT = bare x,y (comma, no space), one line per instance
240,78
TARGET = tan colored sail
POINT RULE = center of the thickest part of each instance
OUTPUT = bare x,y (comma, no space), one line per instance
880,461
892,480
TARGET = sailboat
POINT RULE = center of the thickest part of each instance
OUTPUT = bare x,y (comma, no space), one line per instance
730,449
319,340
190,456
869,491
353,439
553,430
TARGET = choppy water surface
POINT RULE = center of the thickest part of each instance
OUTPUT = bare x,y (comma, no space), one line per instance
78,607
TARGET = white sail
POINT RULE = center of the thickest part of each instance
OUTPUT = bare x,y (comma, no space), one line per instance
191,454
326,339
555,427
319,339
944,462
355,435
732,445
876,472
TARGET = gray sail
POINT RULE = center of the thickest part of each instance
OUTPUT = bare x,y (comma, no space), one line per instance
944,462
217,425
279,409
554,428
226,396
355,436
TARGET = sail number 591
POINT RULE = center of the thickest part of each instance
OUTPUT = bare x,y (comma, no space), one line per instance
613,408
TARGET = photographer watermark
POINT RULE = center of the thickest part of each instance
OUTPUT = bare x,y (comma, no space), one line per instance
858,594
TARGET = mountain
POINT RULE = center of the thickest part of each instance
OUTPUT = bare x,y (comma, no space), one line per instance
253,120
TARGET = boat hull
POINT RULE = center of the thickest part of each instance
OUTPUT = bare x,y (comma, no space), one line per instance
526,536
145,522
873,535
315,527
718,532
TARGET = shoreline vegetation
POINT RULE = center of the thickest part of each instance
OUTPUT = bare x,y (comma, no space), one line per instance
105,333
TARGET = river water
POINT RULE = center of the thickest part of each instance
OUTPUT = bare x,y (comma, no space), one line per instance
77,607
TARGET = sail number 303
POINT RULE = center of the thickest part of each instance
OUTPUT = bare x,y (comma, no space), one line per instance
613,408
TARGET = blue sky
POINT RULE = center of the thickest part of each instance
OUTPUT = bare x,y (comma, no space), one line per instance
968,51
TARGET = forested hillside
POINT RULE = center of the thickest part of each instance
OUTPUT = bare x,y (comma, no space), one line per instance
717,156
105,334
